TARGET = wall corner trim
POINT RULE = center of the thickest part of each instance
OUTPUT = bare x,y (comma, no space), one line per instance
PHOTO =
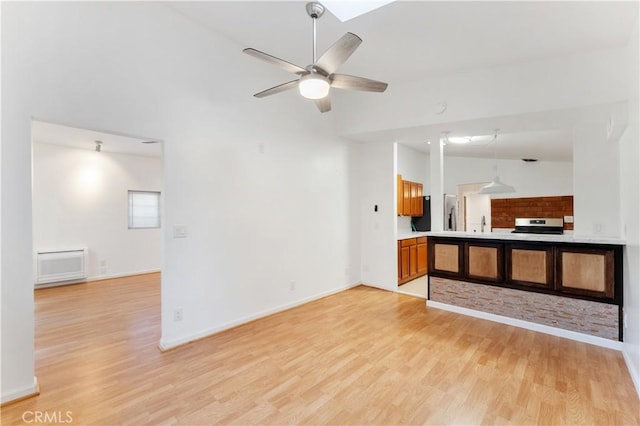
635,375
20,394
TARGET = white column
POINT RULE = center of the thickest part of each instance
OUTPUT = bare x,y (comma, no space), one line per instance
437,181
596,181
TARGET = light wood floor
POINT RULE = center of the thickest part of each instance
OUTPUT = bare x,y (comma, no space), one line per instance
363,356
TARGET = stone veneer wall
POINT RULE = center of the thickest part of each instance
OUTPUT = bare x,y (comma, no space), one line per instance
583,316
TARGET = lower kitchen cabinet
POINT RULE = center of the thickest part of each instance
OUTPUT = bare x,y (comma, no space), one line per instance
588,271
421,252
412,259
530,265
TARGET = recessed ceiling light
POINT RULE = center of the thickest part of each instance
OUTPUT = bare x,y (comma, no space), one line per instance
459,139
345,10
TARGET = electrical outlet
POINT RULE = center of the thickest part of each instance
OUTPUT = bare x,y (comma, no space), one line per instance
177,315
292,285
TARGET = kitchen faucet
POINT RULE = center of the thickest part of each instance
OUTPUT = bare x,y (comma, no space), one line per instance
483,223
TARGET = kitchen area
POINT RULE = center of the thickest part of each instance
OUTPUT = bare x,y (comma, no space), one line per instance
502,254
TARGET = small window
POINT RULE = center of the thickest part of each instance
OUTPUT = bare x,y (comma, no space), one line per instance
144,209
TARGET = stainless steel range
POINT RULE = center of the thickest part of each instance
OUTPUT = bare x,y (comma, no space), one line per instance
539,226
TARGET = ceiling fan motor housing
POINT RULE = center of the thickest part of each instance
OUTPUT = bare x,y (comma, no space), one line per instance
315,9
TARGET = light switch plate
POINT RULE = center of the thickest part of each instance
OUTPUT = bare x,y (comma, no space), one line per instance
180,231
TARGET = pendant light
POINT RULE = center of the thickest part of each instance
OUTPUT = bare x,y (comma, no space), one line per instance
496,187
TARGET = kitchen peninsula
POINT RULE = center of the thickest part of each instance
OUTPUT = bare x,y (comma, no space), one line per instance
562,281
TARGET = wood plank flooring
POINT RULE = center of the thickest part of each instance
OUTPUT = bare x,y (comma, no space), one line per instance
363,356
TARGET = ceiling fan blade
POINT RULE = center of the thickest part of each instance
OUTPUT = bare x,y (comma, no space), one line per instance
324,104
287,66
277,89
338,53
350,82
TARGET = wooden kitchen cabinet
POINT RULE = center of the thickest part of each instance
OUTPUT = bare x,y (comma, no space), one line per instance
412,259
588,271
421,253
484,261
445,257
409,202
404,255
529,265
406,198
416,199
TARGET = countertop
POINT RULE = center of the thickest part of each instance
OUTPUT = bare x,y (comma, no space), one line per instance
408,234
565,238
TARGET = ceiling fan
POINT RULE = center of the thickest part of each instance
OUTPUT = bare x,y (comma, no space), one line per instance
315,80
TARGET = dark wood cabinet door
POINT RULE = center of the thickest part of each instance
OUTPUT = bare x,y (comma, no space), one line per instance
530,265
484,261
586,271
445,257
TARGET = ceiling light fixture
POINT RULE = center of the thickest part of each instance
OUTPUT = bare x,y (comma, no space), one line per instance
98,146
496,187
314,86
460,139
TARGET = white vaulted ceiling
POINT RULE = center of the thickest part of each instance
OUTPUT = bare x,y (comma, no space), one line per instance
405,41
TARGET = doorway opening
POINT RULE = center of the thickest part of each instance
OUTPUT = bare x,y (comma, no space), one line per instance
474,212
82,209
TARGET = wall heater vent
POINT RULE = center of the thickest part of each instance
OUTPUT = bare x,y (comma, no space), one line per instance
61,265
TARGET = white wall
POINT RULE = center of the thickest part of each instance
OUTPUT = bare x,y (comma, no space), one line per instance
596,178
268,198
542,178
80,199
630,214
552,84
377,177
412,165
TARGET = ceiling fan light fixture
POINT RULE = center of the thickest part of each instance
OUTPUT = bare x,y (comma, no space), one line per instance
314,86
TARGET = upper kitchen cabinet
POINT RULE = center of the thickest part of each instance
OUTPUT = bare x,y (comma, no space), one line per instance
409,197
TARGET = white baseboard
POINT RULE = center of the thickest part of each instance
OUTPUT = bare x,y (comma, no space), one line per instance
166,345
21,393
97,278
635,377
559,332
127,274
